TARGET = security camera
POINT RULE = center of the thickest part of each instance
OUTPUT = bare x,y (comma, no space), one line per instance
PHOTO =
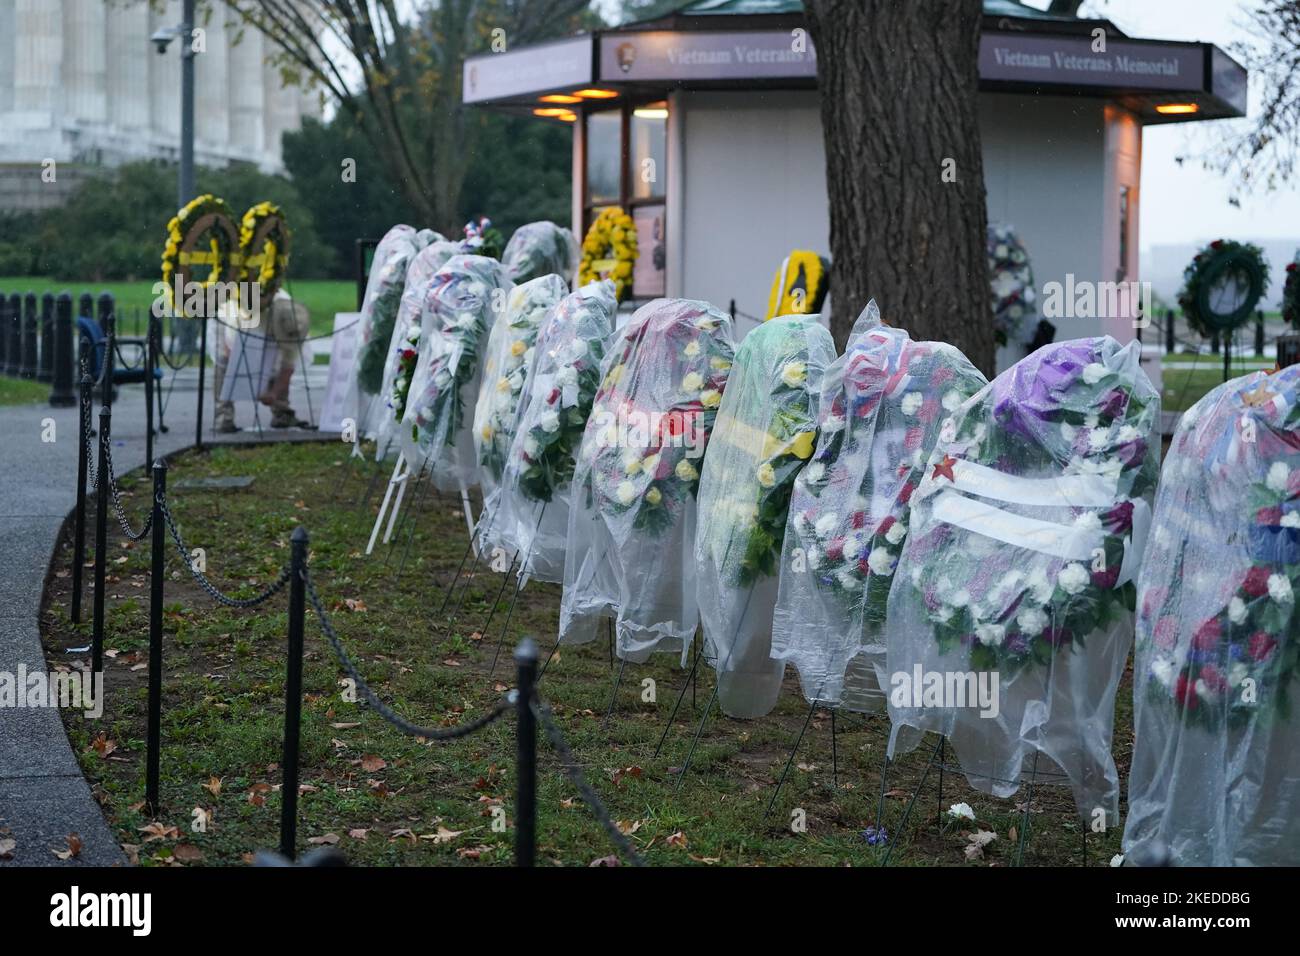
162,39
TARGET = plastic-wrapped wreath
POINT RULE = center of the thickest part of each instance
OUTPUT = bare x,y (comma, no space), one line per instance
460,307
1011,281
509,355
563,381
764,434
407,333
1027,529
881,407
541,248
632,517
529,514
1215,778
383,296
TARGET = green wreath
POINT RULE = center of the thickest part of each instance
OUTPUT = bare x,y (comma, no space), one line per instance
1220,259
1291,293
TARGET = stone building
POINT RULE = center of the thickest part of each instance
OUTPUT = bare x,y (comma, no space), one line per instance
81,84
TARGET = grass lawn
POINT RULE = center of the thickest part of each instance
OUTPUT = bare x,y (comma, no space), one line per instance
20,391
1184,386
391,799
323,297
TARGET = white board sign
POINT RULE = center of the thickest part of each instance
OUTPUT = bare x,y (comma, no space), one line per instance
343,358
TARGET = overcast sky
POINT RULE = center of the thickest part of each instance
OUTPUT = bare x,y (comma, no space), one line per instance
1186,203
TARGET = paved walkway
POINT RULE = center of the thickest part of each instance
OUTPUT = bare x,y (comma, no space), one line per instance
43,795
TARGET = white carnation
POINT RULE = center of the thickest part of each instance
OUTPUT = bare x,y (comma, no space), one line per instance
1094,372
990,635
1088,521
1073,578
911,403
881,562
951,399
1278,473
550,422
897,531
1031,621
1279,589
827,523
1237,610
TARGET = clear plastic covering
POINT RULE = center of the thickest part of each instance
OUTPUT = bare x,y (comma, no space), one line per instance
765,432
461,305
387,280
1215,778
632,514
1010,620
530,512
879,416
404,346
541,248
505,370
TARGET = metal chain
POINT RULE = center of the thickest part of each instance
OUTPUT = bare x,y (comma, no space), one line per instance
117,501
498,710
203,582
572,770
91,477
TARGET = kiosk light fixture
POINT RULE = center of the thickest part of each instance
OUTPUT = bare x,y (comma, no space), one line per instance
559,98
591,94
552,112
1178,108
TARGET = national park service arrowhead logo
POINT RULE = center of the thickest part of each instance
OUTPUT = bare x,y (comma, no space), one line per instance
626,53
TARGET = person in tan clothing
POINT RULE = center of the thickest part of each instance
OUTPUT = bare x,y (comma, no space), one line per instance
286,327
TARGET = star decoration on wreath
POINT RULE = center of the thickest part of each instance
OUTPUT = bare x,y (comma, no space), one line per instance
1259,396
944,469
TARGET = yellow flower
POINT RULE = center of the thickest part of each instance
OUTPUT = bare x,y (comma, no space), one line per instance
487,432
686,471
719,364
692,382
518,347
692,348
794,374
710,398
632,464
802,446
766,475
614,375
649,464
503,385
654,496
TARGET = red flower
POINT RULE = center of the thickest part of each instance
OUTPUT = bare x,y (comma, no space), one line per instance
408,354
1260,645
1212,678
887,523
1152,599
863,567
1120,518
1105,580
1185,692
551,399
1256,582
912,440
929,408
1206,637
1216,244
835,550
1166,633
859,519
1269,516
1293,483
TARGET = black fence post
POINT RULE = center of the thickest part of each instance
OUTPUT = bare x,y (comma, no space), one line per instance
156,573
1259,334
203,362
526,754
79,520
150,363
102,480
293,693
4,334
14,334
45,368
61,393
30,333
109,321
1170,343
1214,342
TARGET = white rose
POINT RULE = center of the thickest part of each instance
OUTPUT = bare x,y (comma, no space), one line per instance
568,375
1237,610
1291,519
827,523
833,424
951,399
814,559
802,524
1237,673
990,635
911,403
896,532
1073,578
531,447
814,473
1127,434
550,422
1162,669
1040,588
960,598
1094,372
1279,589
846,579
1278,473
881,562
1099,439
626,492
1031,621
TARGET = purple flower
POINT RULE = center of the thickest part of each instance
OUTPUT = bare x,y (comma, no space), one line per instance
875,836
1112,406
1026,394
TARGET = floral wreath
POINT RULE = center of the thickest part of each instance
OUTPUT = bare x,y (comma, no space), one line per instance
1011,281
483,239
1222,257
657,475
574,342
910,391
1251,638
610,249
200,234
800,285
526,309
408,354
264,246
1291,293
1006,617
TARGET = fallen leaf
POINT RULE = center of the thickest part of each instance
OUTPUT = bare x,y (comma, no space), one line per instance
676,839
132,851
452,662
358,833
610,860
213,786
187,853
706,859
442,836
159,831
103,746
355,605
978,840
372,763
346,726
626,828
7,848
806,767
472,852
328,839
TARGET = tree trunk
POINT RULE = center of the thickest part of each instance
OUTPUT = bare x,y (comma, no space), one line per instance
899,89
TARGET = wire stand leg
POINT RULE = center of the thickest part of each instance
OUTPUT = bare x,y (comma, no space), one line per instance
613,697
902,826
812,709
698,732
689,682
